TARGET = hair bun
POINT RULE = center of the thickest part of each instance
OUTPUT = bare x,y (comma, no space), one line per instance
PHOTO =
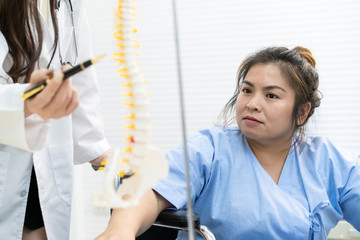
306,53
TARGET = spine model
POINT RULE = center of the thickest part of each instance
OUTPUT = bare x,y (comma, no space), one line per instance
135,93
136,168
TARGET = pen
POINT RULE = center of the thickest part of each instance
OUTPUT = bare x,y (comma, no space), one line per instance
65,75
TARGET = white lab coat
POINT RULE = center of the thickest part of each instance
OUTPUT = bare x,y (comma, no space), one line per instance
52,146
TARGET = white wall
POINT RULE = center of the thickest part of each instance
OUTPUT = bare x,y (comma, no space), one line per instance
215,36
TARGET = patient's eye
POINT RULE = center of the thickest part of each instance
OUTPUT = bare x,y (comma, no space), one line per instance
272,95
246,90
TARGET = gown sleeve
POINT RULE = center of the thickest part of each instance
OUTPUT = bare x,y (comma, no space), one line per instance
350,197
200,155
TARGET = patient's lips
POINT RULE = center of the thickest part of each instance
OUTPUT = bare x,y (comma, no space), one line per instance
252,121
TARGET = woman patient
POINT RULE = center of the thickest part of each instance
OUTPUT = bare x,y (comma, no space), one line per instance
261,179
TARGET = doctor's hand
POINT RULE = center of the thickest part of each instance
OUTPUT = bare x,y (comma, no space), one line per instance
99,160
58,99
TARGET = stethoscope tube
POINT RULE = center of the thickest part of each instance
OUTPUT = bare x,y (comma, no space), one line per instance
71,10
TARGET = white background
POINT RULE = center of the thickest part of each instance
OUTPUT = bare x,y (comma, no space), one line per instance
214,37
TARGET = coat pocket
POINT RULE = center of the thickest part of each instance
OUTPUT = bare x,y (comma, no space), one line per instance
4,164
61,160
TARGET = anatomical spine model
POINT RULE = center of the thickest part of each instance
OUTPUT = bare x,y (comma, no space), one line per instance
136,168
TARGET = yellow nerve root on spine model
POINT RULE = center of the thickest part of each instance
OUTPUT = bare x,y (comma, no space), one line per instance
138,166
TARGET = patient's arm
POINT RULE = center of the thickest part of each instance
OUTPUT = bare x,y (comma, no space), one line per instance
126,224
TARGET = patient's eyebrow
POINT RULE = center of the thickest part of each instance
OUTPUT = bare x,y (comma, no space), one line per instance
267,87
274,87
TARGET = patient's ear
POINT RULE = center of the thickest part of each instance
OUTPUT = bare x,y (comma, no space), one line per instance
303,113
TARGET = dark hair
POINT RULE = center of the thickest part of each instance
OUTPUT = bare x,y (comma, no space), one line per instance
298,67
18,19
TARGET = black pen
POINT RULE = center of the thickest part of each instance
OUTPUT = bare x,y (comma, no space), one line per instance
65,75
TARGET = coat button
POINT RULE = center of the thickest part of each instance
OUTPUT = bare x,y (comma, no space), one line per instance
23,193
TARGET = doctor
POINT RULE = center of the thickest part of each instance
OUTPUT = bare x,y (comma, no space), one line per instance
41,138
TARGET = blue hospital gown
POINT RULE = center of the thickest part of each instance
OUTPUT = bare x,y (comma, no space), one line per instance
237,199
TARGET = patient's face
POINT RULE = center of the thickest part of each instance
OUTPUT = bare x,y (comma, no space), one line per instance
265,105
